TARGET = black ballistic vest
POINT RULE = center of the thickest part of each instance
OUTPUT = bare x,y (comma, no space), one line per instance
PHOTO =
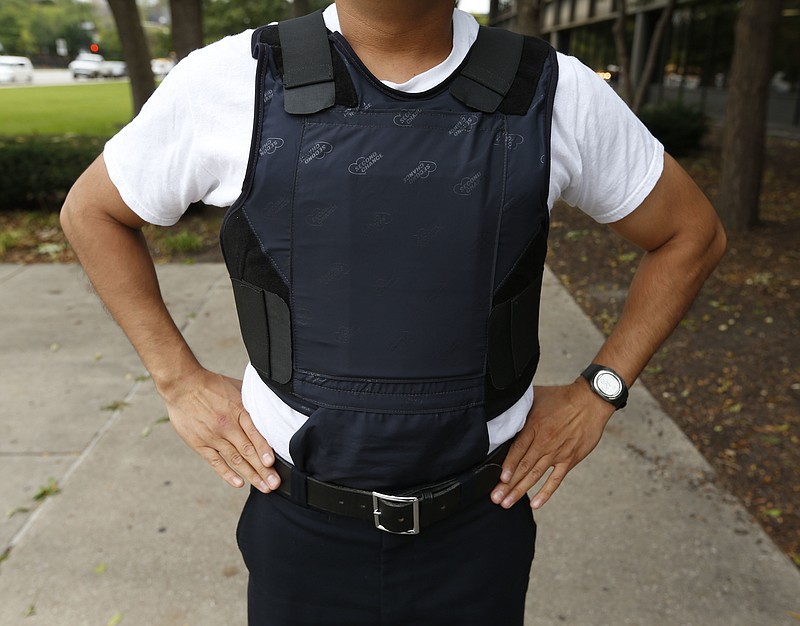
387,250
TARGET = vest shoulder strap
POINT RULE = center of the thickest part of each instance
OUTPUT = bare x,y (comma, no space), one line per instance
313,78
489,72
501,73
307,65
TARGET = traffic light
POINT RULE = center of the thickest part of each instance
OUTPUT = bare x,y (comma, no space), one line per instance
94,48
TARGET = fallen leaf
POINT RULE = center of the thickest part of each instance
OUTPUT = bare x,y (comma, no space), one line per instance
30,611
54,347
146,431
45,491
115,619
113,406
100,568
772,428
19,509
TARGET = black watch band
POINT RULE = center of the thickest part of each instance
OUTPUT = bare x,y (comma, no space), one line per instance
607,384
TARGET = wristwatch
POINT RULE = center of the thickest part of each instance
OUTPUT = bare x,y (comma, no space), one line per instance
607,384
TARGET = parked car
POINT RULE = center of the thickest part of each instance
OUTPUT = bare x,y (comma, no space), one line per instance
88,65
15,70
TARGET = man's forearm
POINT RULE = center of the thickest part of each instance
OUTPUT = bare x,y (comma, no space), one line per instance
118,263
662,290
684,241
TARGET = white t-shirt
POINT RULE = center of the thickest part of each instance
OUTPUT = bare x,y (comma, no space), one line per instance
191,143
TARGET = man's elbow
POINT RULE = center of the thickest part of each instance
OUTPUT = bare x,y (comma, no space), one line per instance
70,214
718,244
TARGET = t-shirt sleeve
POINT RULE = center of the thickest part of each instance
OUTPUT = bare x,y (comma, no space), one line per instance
153,161
604,160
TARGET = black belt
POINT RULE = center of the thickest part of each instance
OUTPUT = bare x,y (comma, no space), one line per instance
404,513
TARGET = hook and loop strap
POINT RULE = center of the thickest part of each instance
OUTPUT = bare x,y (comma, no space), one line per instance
490,70
307,65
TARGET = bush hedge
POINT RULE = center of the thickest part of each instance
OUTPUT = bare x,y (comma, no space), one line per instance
37,171
679,127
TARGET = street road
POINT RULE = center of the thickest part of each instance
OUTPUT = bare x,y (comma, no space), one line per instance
55,77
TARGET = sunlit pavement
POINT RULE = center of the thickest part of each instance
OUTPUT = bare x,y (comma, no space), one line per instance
131,527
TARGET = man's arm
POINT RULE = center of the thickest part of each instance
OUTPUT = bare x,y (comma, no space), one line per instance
684,240
205,408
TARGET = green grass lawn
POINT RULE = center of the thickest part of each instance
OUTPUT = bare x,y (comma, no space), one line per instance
99,109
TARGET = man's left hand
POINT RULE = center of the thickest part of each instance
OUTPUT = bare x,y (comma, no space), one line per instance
563,426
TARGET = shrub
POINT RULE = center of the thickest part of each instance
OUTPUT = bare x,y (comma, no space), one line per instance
37,171
679,127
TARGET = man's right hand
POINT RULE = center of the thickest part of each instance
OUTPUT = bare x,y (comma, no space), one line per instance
206,411
205,408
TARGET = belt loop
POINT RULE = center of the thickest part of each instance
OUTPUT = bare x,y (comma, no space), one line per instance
299,490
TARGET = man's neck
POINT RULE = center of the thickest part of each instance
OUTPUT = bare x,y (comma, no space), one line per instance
398,39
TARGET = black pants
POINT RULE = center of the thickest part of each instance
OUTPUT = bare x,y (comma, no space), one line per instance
309,568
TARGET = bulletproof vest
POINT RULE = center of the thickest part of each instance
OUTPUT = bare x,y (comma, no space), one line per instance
387,250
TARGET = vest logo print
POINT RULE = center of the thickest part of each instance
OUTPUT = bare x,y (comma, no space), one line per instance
274,208
354,110
406,118
302,317
463,125
362,164
379,222
344,334
423,170
268,94
467,184
382,285
320,215
336,271
317,151
271,146
511,140
424,236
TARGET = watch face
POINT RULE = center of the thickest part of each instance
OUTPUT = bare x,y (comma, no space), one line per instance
608,384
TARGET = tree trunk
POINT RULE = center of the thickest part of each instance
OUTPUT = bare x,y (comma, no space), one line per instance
300,8
652,56
529,17
745,116
623,57
187,25
134,49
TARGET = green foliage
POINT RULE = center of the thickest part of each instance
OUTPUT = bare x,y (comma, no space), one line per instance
182,242
680,128
37,171
228,17
31,28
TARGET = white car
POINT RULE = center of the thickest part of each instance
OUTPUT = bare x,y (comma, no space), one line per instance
15,70
88,65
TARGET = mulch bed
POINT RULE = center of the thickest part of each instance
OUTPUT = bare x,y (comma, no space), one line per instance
730,373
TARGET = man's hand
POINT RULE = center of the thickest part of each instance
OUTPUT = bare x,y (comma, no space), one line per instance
563,427
206,410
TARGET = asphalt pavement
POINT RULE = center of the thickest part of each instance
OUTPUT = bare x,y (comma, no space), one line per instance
110,519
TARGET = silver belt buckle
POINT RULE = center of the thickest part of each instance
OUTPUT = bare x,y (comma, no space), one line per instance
395,501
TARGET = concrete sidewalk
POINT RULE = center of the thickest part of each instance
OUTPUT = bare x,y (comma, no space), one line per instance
142,532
